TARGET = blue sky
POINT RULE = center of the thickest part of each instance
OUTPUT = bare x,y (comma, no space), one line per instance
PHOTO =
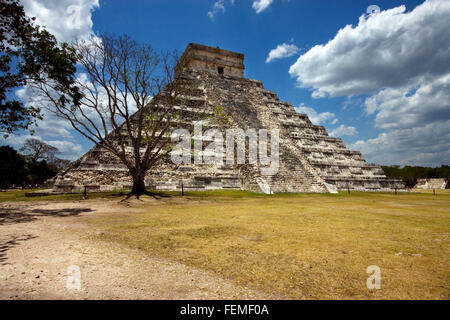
380,84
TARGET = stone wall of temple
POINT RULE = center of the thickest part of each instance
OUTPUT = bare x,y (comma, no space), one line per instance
213,60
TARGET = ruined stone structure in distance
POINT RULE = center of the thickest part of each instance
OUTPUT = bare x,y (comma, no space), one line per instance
309,159
433,183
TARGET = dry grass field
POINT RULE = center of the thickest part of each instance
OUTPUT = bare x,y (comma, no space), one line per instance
301,246
294,246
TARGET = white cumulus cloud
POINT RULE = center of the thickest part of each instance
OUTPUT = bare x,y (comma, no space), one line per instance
52,129
314,116
65,19
69,149
427,145
393,48
261,5
343,130
417,120
218,7
401,108
282,51
401,59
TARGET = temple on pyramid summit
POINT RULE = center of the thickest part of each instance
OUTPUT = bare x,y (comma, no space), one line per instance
309,159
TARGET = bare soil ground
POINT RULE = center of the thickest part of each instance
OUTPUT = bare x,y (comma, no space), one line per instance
39,241
225,245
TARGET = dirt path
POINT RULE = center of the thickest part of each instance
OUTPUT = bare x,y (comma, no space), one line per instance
40,241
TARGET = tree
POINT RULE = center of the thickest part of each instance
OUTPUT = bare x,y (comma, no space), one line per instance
35,149
12,167
42,160
29,53
15,169
39,172
128,103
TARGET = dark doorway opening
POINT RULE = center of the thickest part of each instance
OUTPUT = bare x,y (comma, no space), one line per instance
220,70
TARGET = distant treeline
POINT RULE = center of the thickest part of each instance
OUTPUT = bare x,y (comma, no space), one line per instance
30,169
410,175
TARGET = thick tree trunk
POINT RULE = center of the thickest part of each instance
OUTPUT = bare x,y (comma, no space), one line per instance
138,184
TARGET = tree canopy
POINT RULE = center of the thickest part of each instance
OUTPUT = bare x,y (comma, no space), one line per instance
37,165
29,52
35,149
12,166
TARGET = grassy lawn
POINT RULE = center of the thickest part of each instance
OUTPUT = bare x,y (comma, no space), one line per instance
300,246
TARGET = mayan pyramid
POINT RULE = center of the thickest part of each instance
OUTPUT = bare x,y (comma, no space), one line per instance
309,159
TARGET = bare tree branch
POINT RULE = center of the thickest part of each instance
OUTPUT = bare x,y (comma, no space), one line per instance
129,98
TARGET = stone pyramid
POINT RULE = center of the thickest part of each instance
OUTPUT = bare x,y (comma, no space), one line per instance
309,159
